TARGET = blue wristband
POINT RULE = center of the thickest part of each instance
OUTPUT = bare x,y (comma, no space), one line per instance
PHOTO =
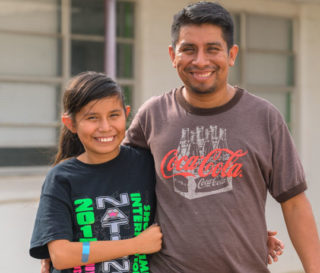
85,252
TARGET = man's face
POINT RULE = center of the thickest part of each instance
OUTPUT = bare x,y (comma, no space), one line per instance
202,59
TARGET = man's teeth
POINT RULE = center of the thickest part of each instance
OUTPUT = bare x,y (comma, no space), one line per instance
105,139
203,75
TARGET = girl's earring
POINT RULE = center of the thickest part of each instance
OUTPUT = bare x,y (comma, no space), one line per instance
67,121
128,110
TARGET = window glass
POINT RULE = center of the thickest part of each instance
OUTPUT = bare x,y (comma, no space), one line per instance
20,103
272,33
236,21
127,90
31,46
125,48
124,60
30,15
26,55
125,19
271,69
87,55
87,17
266,58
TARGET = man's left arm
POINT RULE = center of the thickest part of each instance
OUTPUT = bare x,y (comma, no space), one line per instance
302,230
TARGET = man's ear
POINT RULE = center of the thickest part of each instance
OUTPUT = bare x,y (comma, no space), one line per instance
172,55
128,110
233,52
67,121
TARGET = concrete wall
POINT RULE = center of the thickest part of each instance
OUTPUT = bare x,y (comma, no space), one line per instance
19,197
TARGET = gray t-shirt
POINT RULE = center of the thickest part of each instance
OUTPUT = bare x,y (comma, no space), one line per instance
214,168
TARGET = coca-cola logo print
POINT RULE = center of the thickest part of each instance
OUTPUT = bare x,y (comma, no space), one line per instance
202,164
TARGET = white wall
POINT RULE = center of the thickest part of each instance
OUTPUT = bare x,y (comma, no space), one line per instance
310,101
19,197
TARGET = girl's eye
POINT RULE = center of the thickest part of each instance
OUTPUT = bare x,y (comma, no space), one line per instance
91,118
114,115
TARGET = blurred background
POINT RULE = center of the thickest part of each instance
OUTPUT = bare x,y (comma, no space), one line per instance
45,42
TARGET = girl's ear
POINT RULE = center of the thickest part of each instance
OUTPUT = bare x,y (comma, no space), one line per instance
128,109
67,121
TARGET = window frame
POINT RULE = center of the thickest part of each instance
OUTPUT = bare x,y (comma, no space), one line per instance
290,90
65,36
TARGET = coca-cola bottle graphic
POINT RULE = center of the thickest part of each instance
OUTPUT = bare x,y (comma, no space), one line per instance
214,136
207,147
184,142
200,140
223,144
209,144
181,182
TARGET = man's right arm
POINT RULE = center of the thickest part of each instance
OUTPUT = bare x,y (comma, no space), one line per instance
303,231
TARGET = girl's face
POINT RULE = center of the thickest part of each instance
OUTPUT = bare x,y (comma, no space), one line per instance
100,126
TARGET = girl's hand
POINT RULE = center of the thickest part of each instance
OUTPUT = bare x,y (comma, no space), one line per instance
275,247
149,241
45,266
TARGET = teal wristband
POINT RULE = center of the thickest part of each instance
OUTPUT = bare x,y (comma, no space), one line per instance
85,252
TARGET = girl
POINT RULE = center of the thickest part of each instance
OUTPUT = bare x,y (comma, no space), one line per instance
99,197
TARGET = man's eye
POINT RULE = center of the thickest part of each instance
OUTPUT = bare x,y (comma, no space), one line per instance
187,49
213,49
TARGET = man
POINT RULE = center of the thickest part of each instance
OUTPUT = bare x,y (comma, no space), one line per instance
218,150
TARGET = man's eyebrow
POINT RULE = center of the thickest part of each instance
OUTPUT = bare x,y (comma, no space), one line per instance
214,44
186,44
208,44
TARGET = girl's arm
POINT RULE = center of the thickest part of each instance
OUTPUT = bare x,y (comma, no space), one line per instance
275,247
45,266
65,254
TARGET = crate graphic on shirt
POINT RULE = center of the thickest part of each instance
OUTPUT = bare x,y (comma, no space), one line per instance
202,164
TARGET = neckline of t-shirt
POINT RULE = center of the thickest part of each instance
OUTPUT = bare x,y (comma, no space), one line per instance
104,164
208,111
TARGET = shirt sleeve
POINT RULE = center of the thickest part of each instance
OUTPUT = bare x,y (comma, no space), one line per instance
135,135
54,217
287,176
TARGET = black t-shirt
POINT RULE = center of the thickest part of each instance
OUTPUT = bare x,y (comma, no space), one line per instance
109,201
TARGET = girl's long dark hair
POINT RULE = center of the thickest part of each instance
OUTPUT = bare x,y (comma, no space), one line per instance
82,89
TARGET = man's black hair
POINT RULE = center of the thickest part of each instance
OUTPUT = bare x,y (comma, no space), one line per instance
203,13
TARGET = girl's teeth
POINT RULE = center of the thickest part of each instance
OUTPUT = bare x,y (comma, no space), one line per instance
105,139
